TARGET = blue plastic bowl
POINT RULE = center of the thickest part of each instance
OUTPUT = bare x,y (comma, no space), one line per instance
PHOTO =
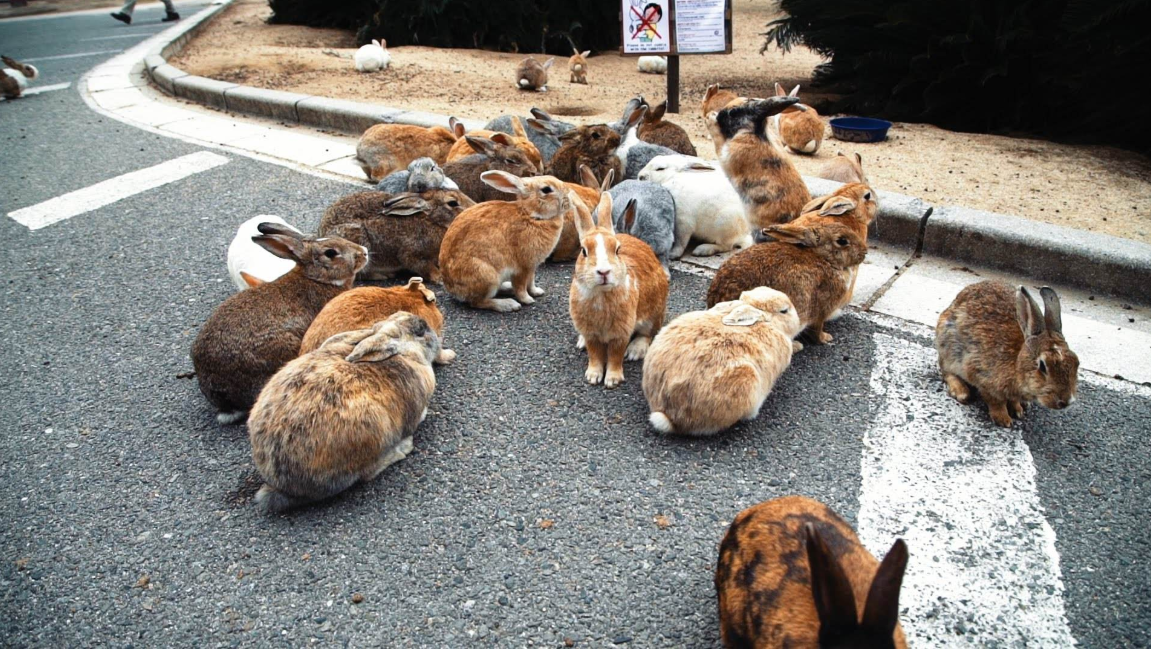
860,129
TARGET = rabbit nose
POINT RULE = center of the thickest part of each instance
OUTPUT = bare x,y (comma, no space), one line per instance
1060,404
604,274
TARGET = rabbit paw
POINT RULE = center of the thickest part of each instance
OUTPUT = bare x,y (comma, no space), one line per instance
504,305
445,357
535,290
796,346
637,348
706,250
524,298
593,375
613,379
825,338
999,415
581,342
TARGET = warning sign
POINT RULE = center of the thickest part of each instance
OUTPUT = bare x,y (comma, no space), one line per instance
676,27
646,27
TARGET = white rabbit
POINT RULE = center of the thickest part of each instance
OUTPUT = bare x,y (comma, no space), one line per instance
652,64
373,57
15,77
249,264
707,207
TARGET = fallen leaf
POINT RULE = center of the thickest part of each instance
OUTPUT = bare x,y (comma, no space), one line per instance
662,521
144,581
357,598
21,564
547,524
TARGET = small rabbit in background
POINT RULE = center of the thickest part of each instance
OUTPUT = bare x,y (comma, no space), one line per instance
15,77
373,57
652,64
578,65
533,75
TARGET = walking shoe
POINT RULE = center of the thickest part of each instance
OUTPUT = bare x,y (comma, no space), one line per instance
122,17
172,15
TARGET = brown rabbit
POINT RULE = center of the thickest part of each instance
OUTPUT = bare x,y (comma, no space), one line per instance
799,126
533,75
362,307
854,204
812,265
401,232
254,332
844,169
461,149
501,240
578,65
385,148
655,130
715,100
593,146
770,187
792,573
587,192
343,413
488,156
994,338
618,294
15,77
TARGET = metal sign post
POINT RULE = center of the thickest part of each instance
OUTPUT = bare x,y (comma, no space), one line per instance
672,28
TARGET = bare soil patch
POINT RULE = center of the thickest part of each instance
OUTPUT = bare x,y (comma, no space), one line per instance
1100,189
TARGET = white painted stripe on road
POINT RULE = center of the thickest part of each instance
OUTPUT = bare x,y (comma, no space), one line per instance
961,491
115,189
36,90
69,56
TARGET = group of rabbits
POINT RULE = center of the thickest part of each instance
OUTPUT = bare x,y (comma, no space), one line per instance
335,379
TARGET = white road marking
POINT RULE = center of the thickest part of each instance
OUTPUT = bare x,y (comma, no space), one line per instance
961,491
115,189
36,90
68,56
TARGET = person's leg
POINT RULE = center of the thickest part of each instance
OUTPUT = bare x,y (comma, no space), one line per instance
171,9
129,8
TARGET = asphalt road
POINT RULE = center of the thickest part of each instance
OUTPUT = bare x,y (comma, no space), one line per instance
125,510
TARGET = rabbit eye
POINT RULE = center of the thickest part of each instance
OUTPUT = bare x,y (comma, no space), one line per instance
867,196
546,190
1042,366
331,253
784,310
617,247
453,203
583,252
842,241
595,136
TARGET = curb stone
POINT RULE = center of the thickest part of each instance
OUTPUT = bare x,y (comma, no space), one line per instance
1049,253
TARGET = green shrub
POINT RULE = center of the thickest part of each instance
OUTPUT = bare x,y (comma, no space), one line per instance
1061,68
341,14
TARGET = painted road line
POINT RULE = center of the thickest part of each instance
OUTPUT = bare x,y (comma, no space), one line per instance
115,189
961,491
69,56
36,90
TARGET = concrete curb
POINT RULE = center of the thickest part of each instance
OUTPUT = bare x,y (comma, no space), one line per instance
1049,253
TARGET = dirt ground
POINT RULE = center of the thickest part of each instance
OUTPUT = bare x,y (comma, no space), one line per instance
1094,188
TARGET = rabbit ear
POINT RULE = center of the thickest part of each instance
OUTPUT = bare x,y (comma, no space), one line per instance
518,127
794,91
813,205
544,127
859,159
700,166
481,145
375,42
635,116
587,177
1027,313
881,611
1052,318
744,315
456,127
583,219
373,349
271,227
834,598
251,280
607,180
383,43
779,92
548,63
658,112
793,234
837,207
282,246
541,115
603,213
404,205
504,182
585,53
629,215
710,92
502,138
417,284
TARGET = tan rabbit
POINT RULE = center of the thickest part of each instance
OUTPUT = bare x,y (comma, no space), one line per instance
844,169
994,338
708,370
385,148
588,192
656,130
770,187
254,332
800,127
854,204
812,265
533,75
578,65
362,307
792,573
343,413
501,240
618,294
462,149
